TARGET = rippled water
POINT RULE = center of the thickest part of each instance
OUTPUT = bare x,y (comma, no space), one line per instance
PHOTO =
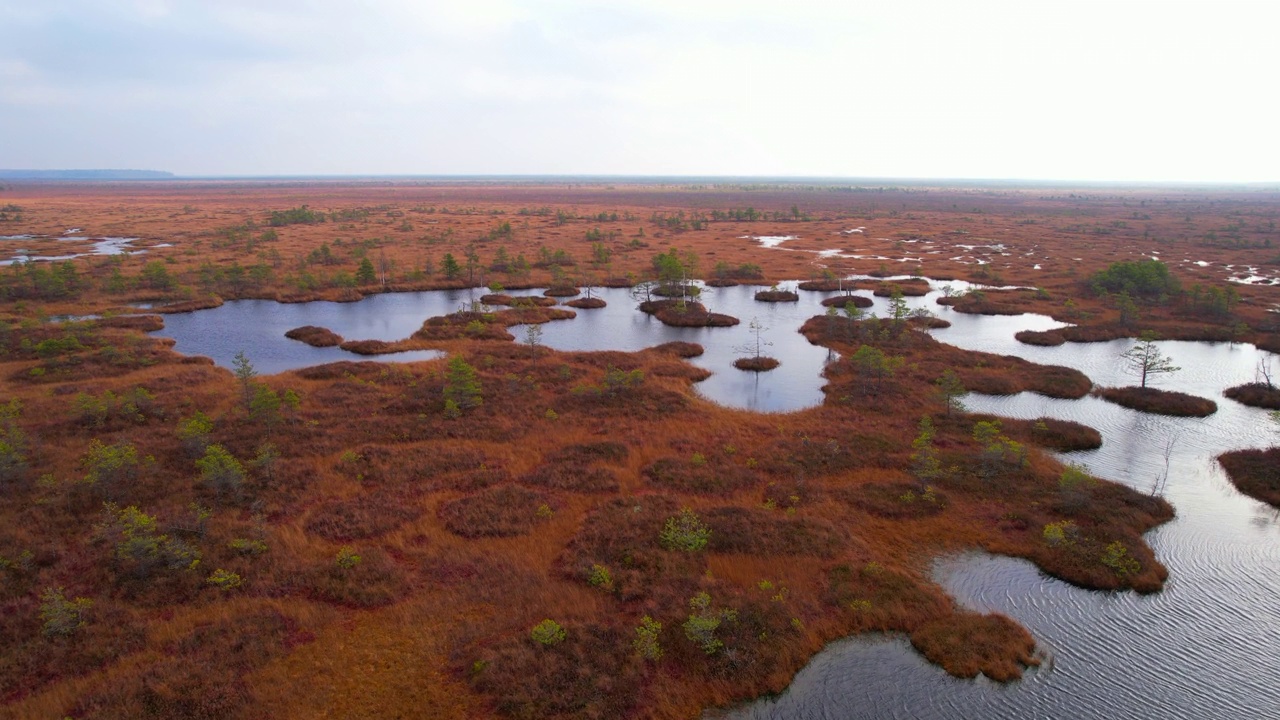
1208,646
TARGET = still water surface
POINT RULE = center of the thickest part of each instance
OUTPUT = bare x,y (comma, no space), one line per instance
1208,646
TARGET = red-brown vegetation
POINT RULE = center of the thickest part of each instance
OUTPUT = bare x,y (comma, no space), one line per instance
1159,402
682,313
314,336
384,555
907,288
1255,473
758,363
1257,394
840,301
774,296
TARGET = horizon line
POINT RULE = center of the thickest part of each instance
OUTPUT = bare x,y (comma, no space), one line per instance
7,175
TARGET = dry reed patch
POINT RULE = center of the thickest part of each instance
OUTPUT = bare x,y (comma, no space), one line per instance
966,644
362,517
575,468
754,531
502,511
31,661
622,535
711,474
1255,473
591,672
1159,402
372,581
894,500
878,597
201,676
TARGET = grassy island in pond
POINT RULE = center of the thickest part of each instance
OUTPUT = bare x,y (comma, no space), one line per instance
1255,473
1159,402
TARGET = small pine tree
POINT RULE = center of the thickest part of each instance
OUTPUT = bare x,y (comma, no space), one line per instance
365,273
62,617
646,642
951,390
462,387
1145,359
220,470
685,532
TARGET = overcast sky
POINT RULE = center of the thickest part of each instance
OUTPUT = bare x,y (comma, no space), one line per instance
1117,90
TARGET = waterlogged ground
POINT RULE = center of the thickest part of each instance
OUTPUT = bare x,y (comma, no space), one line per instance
1203,647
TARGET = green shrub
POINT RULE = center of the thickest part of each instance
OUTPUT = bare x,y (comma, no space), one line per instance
548,632
224,580
62,617
646,642
685,532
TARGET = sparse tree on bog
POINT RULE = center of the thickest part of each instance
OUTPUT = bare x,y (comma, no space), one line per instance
951,390
1146,361
757,343
533,338
461,386
244,374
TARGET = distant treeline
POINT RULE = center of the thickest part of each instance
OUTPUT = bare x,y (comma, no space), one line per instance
84,175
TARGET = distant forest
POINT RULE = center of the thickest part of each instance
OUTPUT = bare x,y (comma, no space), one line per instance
84,174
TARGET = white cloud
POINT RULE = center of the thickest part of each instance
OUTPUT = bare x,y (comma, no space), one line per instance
991,88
